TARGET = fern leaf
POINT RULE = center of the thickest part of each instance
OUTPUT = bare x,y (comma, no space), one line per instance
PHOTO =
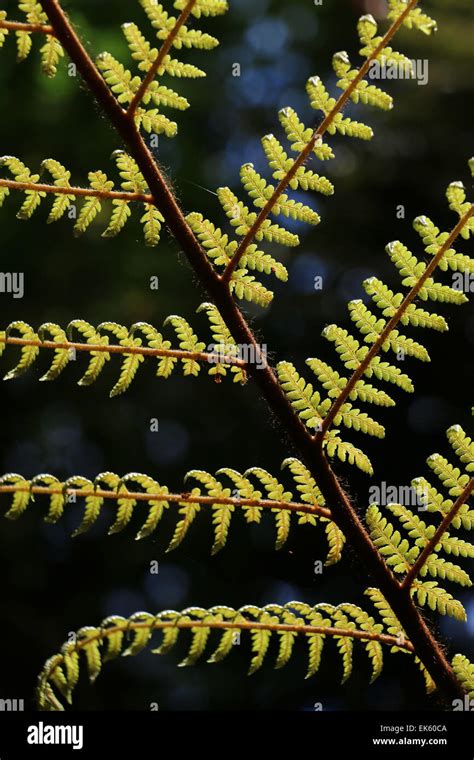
451,477
245,285
438,599
188,341
396,550
362,92
260,192
415,19
21,497
438,567
464,670
346,451
462,445
303,398
28,353
320,101
433,239
366,623
62,356
299,135
280,163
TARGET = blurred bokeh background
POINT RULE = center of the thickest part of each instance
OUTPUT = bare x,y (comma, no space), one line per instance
51,584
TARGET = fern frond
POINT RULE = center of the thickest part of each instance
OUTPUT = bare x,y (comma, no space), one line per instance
379,334
290,173
136,93
36,24
134,345
133,189
451,477
227,492
286,624
415,550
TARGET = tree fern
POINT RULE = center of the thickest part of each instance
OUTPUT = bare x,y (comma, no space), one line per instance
407,559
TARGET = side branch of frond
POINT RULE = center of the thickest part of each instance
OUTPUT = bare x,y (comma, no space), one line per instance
441,530
87,192
319,132
162,53
391,325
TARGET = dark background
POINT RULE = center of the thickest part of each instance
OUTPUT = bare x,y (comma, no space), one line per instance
52,584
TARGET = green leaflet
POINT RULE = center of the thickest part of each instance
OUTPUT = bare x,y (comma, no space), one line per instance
367,623
304,399
462,445
51,50
224,626
464,670
396,551
438,599
416,18
362,92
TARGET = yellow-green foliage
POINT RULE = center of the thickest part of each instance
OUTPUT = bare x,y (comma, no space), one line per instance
141,337
252,493
464,670
213,634
125,85
51,50
402,546
64,204
221,247
313,405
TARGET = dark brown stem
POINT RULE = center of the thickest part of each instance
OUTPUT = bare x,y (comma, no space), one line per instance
163,52
426,646
391,325
319,132
432,544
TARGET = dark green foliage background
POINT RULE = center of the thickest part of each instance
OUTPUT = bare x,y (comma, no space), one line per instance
51,584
